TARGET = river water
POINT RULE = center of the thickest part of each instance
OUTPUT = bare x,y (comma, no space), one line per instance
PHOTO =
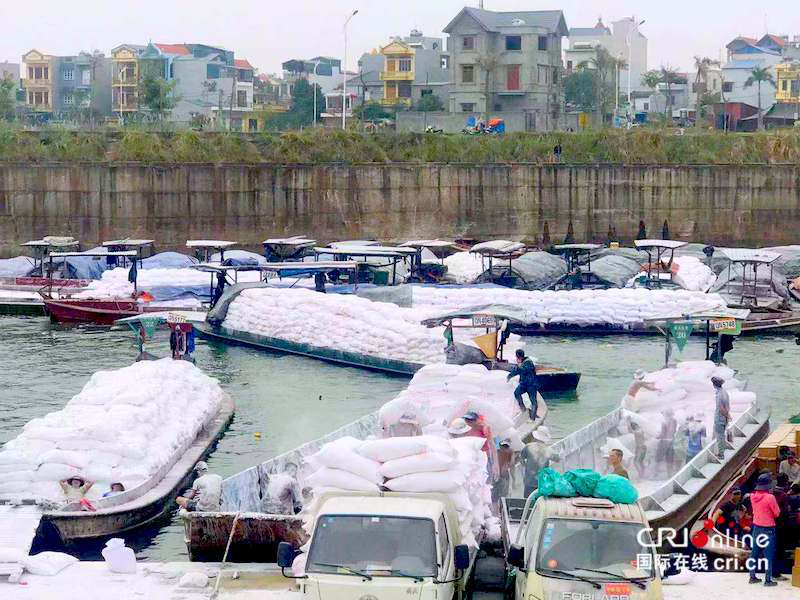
283,401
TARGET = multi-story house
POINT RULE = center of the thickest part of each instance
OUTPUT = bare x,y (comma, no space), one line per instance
324,71
125,79
787,82
507,62
744,55
58,85
413,67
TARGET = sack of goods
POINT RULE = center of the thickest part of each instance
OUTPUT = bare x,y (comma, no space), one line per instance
612,307
339,322
122,427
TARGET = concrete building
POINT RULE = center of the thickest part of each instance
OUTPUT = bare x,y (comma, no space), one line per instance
507,62
324,71
744,55
787,79
622,40
57,86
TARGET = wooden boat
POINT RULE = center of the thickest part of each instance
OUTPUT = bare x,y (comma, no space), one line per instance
675,502
144,503
765,457
551,379
34,284
98,311
257,533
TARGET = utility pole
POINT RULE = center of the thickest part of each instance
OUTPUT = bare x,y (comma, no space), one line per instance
344,72
219,111
234,79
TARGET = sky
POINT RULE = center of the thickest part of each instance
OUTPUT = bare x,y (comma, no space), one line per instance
268,32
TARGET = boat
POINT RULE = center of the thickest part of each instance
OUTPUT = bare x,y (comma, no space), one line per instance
97,311
257,534
717,542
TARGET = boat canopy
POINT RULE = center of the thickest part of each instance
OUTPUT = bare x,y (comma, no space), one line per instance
128,243
97,254
663,244
740,314
499,249
53,242
292,247
367,251
211,244
512,314
283,269
657,262
586,247
439,248
158,318
750,256
296,240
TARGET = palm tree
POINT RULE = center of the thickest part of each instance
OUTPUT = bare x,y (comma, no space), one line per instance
489,64
758,76
668,77
702,65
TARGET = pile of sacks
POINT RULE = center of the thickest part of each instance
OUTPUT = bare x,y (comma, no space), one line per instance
418,464
615,307
345,323
464,267
693,274
687,391
122,427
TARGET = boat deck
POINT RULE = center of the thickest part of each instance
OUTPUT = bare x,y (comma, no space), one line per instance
18,525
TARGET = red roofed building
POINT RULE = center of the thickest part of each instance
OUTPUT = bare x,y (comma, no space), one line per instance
177,49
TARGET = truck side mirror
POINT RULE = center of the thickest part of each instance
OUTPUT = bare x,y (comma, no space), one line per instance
286,554
461,557
516,556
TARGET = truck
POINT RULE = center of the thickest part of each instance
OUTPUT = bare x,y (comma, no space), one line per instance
383,545
579,549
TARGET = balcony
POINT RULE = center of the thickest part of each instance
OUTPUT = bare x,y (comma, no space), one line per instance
397,75
396,101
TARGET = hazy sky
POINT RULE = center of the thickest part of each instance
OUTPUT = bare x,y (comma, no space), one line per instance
268,32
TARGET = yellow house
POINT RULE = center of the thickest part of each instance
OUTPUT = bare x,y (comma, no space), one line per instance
787,82
125,79
38,82
398,73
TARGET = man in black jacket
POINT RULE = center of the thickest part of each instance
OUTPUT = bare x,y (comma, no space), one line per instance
527,382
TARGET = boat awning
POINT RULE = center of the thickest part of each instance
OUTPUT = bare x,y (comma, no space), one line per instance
366,251
665,244
740,314
498,248
128,243
498,311
121,253
587,247
51,244
212,244
746,255
285,268
157,318
297,241
350,243
440,248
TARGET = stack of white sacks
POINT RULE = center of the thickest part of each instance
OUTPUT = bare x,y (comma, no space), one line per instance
341,322
618,307
122,427
693,274
432,462
464,267
687,390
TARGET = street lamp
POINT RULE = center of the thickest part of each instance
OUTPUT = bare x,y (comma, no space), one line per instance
344,72
629,37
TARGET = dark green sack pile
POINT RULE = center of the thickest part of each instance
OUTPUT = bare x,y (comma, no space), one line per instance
586,483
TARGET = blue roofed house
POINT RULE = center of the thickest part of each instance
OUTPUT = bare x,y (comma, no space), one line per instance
744,55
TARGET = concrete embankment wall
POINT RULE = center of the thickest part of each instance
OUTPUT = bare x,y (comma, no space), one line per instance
736,205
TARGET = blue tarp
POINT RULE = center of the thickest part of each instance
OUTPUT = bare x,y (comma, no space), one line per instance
89,267
168,260
20,266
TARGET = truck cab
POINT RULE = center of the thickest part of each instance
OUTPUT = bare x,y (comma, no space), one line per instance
580,548
390,546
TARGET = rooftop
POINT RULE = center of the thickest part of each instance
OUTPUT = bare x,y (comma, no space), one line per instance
494,21
243,63
177,49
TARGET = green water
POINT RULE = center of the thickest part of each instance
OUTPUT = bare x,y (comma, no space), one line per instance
290,400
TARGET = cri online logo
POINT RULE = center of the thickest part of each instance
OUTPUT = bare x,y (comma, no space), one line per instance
701,538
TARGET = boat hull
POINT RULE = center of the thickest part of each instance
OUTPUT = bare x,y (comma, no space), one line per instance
100,312
73,526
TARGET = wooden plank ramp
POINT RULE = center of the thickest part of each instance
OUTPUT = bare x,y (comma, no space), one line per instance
18,525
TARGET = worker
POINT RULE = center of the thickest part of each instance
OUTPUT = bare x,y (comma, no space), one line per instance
114,489
75,490
640,449
615,467
665,451
729,518
480,428
765,513
526,370
206,492
319,282
535,457
407,426
791,468
638,384
283,494
722,415
696,435
506,460
459,428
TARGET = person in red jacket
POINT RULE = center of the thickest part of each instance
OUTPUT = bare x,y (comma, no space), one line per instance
765,511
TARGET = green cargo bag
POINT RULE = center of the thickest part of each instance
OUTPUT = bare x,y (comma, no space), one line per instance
583,480
617,489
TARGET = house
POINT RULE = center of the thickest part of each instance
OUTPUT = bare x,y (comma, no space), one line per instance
507,62
787,82
324,71
622,40
735,74
55,86
735,116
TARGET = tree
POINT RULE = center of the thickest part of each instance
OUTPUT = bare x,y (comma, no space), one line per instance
604,67
669,76
8,87
758,76
371,111
489,64
651,79
430,103
579,89
702,66
301,110
156,94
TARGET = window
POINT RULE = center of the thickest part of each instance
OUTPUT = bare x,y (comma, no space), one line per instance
716,84
784,85
468,107
512,77
86,77
569,65
404,90
424,93
391,65
513,42
444,548
555,75
543,43
241,98
467,73
727,86
543,71
252,125
212,71
646,107
445,62
468,42
404,65
46,72
69,74
69,99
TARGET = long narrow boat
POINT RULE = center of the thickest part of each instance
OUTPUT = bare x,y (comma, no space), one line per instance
98,311
257,532
144,503
551,379
676,501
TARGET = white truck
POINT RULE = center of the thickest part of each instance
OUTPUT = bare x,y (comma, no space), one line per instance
387,546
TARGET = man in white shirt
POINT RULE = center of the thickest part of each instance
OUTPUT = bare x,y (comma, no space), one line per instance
791,468
206,492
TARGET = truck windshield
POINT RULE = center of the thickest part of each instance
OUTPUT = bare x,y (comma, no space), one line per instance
380,546
586,547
